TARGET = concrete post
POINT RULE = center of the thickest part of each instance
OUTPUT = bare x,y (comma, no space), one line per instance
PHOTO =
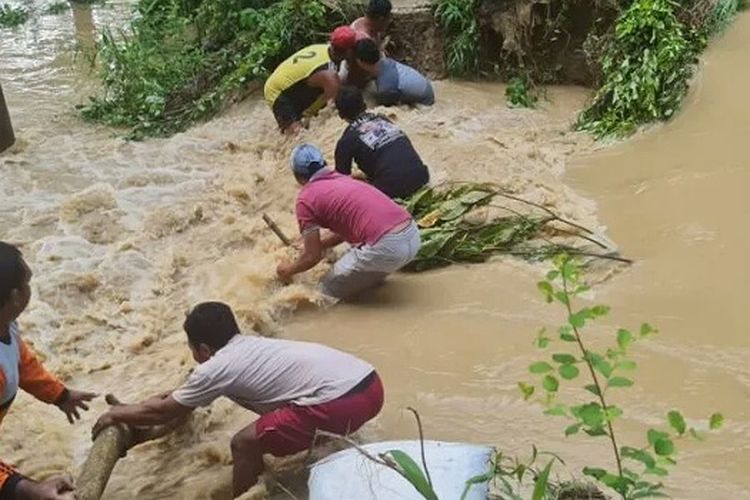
7,138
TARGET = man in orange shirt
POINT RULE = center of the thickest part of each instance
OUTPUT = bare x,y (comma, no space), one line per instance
19,368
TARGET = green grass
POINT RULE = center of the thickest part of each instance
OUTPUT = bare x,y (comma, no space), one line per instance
57,8
458,20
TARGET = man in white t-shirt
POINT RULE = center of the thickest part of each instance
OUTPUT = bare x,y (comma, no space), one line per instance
297,388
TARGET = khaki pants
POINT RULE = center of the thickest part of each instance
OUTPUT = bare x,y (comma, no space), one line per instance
367,266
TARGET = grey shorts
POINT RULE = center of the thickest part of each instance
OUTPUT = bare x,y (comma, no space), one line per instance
364,267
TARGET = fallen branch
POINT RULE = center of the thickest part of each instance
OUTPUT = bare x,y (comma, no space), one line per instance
450,235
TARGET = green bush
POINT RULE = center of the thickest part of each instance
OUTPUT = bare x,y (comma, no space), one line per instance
646,69
11,17
180,60
519,93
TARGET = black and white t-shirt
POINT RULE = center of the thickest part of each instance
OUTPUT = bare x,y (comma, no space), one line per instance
384,153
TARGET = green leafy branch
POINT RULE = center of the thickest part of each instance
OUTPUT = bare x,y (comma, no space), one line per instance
520,92
608,370
646,67
450,235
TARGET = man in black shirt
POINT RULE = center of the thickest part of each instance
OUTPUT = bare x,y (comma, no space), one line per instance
381,149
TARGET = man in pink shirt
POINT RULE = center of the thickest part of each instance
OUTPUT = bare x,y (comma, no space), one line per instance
383,236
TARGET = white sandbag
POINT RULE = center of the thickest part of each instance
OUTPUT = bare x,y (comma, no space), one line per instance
347,475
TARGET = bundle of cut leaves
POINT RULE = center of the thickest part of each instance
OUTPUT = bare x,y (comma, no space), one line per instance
450,234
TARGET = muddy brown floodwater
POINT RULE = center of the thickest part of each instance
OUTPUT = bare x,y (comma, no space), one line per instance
124,237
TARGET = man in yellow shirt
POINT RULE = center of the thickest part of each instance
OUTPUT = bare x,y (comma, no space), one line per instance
307,80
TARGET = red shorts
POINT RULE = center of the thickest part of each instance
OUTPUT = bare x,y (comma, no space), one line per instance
291,429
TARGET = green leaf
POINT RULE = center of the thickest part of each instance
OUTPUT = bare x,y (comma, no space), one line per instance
594,472
626,365
653,436
658,471
619,382
546,289
476,197
566,333
540,486
600,310
601,365
573,429
542,340
613,412
593,389
566,359
569,271
596,431
617,483
568,372
540,367
557,411
647,330
562,297
624,339
664,447
550,383
639,455
412,473
479,479
577,320
591,414
526,389
553,275
716,421
677,421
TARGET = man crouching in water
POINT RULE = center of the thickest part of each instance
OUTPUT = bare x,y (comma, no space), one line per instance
295,387
382,234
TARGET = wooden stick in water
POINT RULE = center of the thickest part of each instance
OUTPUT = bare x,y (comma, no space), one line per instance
277,231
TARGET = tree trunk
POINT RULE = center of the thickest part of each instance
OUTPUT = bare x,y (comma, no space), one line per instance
110,445
7,139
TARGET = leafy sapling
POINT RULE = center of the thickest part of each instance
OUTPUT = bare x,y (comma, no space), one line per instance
637,468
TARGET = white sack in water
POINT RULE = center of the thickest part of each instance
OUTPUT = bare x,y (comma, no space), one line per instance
347,475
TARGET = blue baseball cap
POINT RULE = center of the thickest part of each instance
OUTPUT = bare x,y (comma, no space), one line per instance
307,159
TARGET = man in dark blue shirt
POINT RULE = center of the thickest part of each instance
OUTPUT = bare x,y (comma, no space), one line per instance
396,83
381,149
